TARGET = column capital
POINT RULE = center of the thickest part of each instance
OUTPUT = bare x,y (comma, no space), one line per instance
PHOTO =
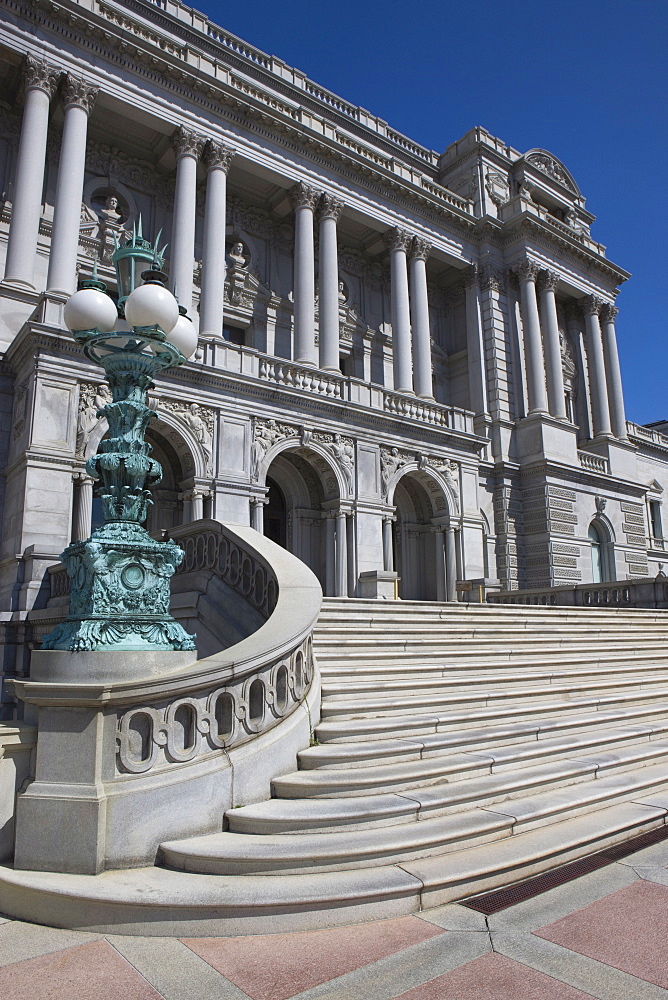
38,74
330,208
592,305
420,249
187,143
609,312
527,270
548,281
303,196
79,93
218,156
491,277
397,239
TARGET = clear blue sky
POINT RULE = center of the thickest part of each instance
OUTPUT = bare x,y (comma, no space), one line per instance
585,79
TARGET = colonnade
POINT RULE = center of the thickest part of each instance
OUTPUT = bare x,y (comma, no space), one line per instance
412,363
542,350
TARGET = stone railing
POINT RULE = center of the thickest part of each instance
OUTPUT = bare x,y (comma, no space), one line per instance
201,737
594,463
302,377
647,434
650,593
436,414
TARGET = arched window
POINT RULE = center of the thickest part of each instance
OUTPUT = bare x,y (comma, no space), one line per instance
596,554
602,552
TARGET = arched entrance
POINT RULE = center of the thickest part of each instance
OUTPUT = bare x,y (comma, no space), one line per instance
173,498
303,512
424,538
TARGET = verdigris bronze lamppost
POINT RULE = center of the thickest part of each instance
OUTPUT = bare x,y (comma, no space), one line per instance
120,576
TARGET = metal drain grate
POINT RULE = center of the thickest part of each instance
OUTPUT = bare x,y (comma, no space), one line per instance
500,899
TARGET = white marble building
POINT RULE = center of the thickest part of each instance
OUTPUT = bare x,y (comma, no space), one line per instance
407,358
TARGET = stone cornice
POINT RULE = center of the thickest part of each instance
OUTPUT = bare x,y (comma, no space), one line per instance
529,227
249,108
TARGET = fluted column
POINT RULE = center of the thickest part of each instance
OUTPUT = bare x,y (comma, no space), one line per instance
330,210
78,98
188,148
450,565
304,199
40,84
533,350
330,554
552,345
439,564
474,344
388,555
598,390
398,242
83,506
613,374
217,158
341,556
422,380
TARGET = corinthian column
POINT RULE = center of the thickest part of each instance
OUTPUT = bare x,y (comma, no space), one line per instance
553,366
217,158
527,273
398,242
304,199
330,210
78,99
613,374
40,83
474,343
188,148
591,307
422,381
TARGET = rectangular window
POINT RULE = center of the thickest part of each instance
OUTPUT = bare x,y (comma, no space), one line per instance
655,519
234,335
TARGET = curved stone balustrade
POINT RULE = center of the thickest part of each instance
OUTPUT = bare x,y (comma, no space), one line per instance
177,747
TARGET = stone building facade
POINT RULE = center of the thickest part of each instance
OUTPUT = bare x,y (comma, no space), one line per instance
407,358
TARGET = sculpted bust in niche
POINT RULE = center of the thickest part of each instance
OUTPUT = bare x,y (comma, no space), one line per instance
237,255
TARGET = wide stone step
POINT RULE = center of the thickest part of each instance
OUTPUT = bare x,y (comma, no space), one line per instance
575,715
419,658
597,728
619,749
158,901
477,699
338,688
321,815
232,853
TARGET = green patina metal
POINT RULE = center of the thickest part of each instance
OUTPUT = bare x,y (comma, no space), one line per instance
120,576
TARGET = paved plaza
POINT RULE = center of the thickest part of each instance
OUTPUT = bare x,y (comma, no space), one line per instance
602,935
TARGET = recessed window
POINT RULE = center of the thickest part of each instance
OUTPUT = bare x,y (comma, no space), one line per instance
234,335
655,519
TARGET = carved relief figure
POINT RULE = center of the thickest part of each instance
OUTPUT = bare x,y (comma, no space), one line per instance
265,436
390,460
343,451
193,418
92,400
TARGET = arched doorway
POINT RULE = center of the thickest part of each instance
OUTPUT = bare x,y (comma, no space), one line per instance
276,514
168,508
304,514
423,539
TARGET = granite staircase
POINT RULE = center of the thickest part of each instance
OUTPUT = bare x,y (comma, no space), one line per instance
452,733
461,748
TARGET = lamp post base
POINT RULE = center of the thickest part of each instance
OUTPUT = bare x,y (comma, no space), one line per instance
120,593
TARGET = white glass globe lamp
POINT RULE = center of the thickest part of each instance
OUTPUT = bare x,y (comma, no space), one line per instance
90,309
183,336
151,304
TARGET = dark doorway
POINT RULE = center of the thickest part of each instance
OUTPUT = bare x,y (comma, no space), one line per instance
275,518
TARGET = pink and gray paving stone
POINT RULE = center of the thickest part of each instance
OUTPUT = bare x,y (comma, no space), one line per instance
603,935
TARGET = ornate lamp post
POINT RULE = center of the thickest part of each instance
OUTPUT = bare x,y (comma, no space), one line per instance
119,577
